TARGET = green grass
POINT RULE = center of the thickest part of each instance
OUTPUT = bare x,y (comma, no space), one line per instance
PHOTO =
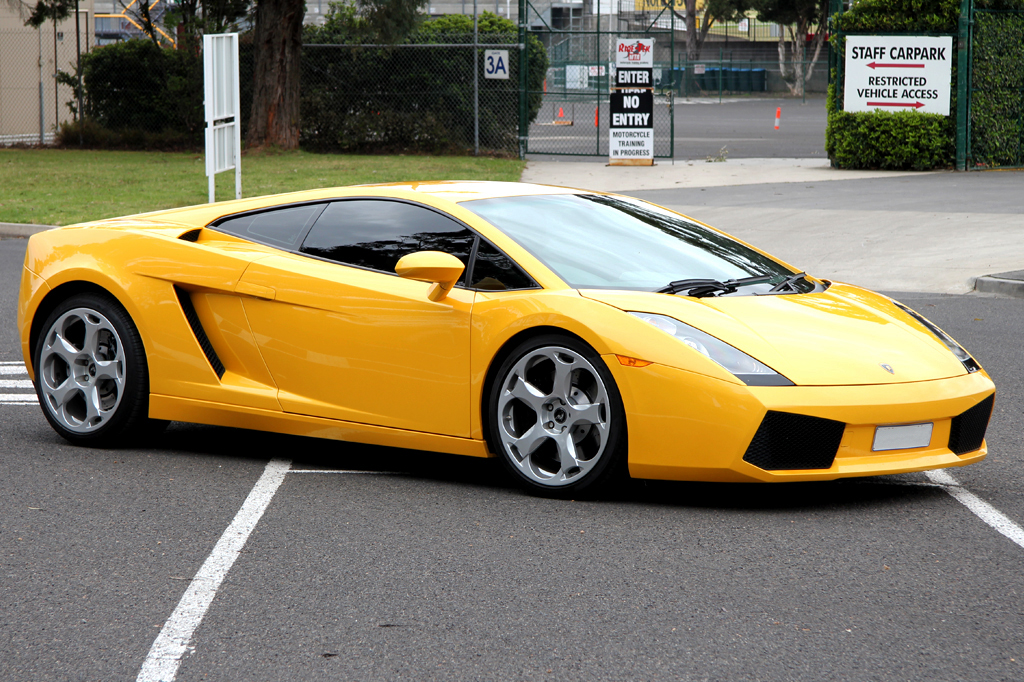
61,187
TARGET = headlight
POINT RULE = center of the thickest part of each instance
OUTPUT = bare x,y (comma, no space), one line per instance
954,347
745,368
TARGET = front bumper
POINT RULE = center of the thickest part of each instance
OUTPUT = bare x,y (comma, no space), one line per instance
686,426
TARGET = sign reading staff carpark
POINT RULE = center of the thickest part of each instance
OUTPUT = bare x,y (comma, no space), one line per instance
631,104
898,73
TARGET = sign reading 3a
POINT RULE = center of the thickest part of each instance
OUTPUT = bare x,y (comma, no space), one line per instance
496,64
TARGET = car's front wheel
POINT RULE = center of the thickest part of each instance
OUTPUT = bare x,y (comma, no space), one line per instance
91,373
556,418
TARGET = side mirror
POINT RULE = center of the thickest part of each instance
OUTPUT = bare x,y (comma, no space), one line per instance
441,269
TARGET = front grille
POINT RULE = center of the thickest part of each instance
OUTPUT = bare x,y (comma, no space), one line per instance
967,432
794,441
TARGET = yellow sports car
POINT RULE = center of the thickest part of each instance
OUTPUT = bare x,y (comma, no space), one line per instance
578,336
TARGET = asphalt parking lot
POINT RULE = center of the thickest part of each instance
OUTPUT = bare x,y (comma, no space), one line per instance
744,126
374,563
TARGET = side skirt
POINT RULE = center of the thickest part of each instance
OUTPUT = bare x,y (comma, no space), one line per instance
219,414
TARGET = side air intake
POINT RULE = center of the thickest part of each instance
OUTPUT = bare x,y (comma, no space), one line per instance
967,432
794,441
197,328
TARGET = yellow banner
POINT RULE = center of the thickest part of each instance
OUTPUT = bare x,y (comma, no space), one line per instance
658,5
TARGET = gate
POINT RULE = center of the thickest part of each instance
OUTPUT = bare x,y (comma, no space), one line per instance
574,111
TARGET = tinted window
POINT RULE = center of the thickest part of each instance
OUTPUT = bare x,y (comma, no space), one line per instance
614,242
283,227
494,271
374,234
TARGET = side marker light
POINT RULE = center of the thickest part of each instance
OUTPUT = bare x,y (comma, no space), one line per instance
632,362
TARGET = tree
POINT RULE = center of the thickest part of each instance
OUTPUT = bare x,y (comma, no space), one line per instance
797,16
714,11
56,11
274,117
195,18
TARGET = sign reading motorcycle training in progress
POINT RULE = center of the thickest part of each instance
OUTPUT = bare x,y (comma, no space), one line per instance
631,104
896,73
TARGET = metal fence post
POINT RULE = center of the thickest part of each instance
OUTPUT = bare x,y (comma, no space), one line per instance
476,86
523,75
963,90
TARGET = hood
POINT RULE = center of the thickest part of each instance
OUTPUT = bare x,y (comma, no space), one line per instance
841,336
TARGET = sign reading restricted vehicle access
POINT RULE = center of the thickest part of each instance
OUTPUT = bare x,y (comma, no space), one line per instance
897,73
631,104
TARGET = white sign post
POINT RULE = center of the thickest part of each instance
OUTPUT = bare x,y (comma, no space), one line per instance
223,132
894,73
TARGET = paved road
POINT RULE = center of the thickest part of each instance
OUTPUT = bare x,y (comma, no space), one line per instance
443,571
745,126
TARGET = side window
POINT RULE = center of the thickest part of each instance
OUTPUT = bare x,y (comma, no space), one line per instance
494,271
283,227
375,234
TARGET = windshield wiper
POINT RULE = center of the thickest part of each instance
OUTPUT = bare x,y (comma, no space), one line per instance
788,283
700,288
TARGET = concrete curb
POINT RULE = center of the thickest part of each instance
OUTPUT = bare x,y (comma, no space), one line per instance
22,230
994,284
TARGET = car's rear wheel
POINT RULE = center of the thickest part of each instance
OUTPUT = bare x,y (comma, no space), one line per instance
556,418
91,373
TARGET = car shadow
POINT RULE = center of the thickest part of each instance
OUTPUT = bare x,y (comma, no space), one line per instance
315,453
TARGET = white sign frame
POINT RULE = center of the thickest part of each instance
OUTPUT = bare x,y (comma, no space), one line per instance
222,108
895,73
496,64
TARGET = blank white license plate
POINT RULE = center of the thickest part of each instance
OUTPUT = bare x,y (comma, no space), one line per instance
902,437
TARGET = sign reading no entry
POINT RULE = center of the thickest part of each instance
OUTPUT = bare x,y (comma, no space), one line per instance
896,73
631,104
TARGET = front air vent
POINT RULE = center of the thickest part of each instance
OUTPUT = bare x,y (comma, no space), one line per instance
197,328
794,441
967,432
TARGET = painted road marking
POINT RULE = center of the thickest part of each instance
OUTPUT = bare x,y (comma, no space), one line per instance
171,645
173,641
982,509
15,369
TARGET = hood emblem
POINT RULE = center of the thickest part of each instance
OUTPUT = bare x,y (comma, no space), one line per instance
887,368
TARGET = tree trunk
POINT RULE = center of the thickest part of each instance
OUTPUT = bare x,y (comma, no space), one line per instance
692,47
274,119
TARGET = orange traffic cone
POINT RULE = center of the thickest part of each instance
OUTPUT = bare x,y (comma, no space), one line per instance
778,117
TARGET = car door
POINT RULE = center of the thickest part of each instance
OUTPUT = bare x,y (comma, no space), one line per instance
345,338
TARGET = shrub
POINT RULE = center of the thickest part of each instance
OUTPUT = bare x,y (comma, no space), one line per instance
137,91
905,140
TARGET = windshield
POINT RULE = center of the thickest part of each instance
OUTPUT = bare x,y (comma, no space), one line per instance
605,242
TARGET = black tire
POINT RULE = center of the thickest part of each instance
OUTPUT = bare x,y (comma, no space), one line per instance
581,405
92,378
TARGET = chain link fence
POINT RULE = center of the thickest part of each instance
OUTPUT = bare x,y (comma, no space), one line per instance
424,97
32,101
574,112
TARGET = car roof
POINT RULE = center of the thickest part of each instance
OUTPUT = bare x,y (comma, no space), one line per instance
437,193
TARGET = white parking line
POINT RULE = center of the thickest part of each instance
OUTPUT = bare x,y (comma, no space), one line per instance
982,509
171,645
13,369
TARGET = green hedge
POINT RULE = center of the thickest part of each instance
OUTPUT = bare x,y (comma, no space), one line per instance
997,82
905,140
415,98
138,95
